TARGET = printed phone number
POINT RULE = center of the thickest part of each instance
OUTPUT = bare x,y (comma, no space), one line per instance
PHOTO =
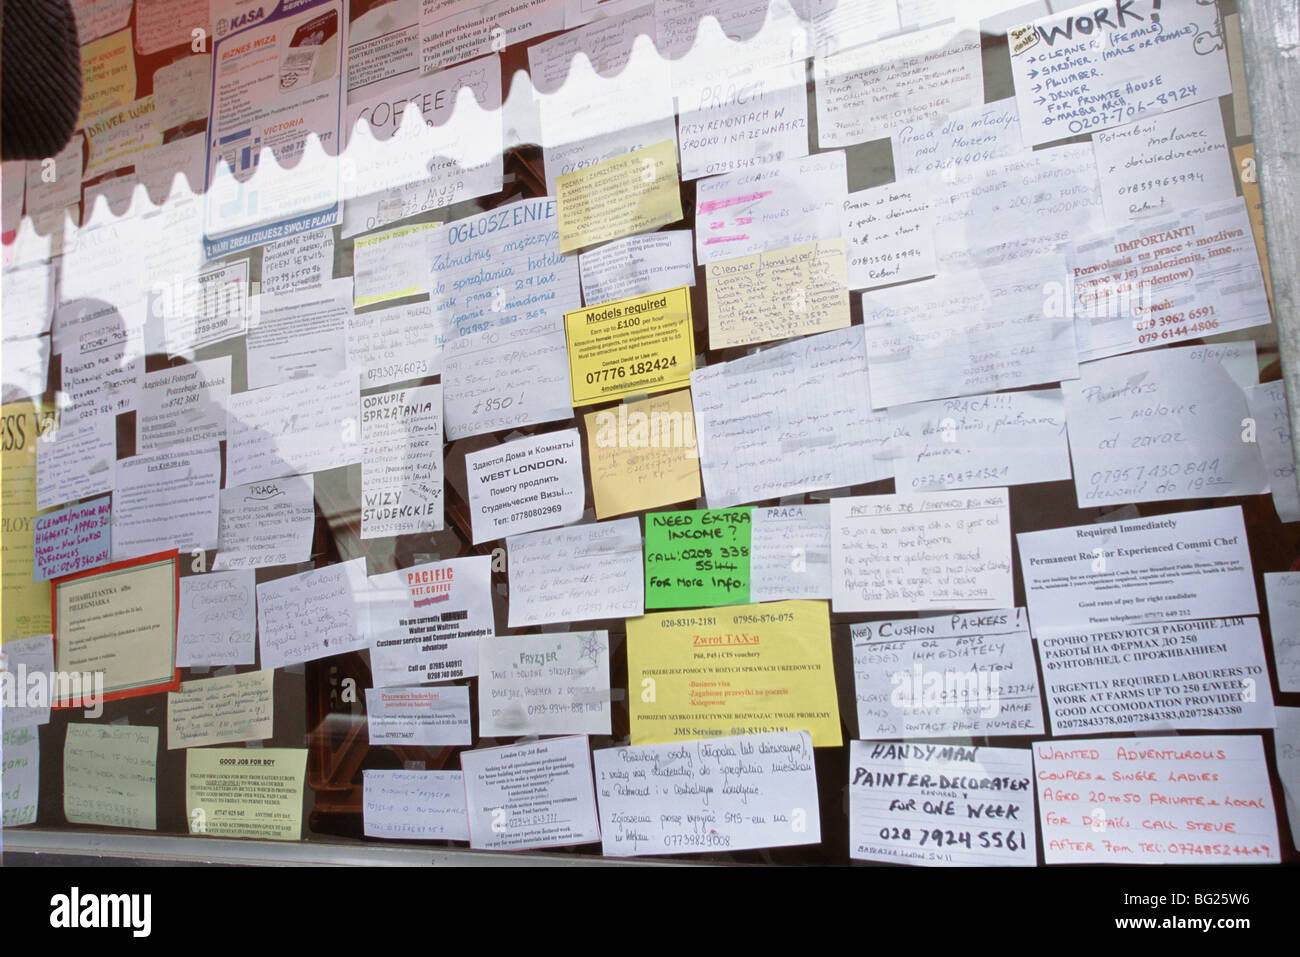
938,837
631,369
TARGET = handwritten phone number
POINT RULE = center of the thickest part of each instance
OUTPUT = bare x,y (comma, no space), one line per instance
1131,111
631,369
938,837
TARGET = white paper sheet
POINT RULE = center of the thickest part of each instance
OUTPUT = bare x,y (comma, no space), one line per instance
940,550
1089,68
947,676
266,523
576,574
299,334
973,135
313,614
401,464
637,265
420,717
544,684
940,805
765,428
166,499
503,379
965,334
531,795
305,261
1286,746
719,795
1006,438
776,206
415,805
1282,591
217,622
183,404
525,485
305,425
1267,405
1180,800
396,344
1159,426
1168,568
383,41
76,461
426,621
790,553
229,709
29,706
101,373
889,233
453,33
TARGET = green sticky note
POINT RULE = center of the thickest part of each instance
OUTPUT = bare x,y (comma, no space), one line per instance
697,558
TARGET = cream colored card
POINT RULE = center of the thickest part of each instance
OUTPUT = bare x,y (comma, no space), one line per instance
643,454
221,710
245,792
633,193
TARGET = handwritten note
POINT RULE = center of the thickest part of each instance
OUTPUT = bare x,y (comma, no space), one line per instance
423,717
1158,426
305,261
531,795
183,404
697,558
217,625
414,805
22,658
633,193
387,265
889,235
71,539
401,464
940,550
643,454
1283,595
778,205
396,343
725,794
20,776
790,552
525,485
941,805
766,429
1267,405
1093,67
1008,438
962,137
743,669
313,614
266,523
110,775
1181,800
1112,574
544,684
220,710
637,266
166,499
580,573
868,92
502,379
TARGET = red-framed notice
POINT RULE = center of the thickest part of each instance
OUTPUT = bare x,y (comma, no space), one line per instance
118,619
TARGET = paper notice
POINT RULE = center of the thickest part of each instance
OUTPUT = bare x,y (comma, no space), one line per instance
221,710
182,90
1090,68
643,454
910,552
396,344
420,717
697,558
745,669
725,794
1286,747
162,24
1172,567
637,266
305,261
75,461
1180,800
387,265
1007,438
414,805
218,620
889,235
20,776
426,621
580,573
453,33
71,539
637,345
24,658
25,604
166,499
978,133
766,428
183,404
1283,596
401,464
266,523
531,795
947,676
544,684
502,379
790,552
237,792
110,776
299,334
634,193
525,485
1268,409
313,614
941,805
107,75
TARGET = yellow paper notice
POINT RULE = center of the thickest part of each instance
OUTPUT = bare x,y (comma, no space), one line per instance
110,775
778,294
739,669
643,454
640,344
1244,156
24,604
107,75
633,193
245,792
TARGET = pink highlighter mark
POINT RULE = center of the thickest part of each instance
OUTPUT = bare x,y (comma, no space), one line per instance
731,201
725,239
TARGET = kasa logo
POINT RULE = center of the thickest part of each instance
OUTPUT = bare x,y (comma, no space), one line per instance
74,910
239,21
